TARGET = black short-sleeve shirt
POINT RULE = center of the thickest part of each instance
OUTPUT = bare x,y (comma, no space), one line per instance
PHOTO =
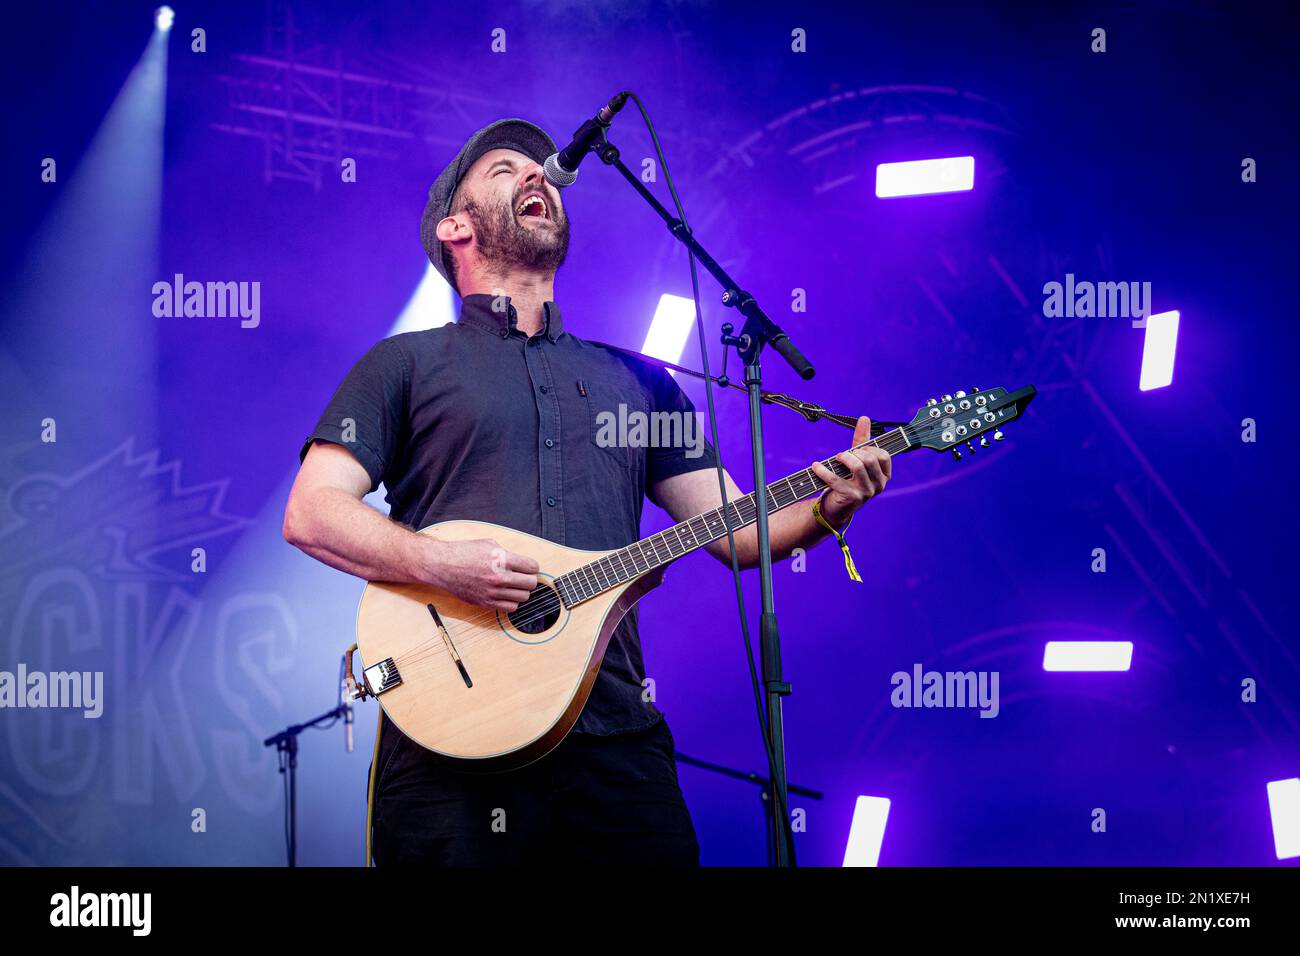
477,420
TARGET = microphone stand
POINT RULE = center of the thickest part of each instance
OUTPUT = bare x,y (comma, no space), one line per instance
764,791
286,745
758,331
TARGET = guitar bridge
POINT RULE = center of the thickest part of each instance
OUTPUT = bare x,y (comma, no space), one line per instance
382,677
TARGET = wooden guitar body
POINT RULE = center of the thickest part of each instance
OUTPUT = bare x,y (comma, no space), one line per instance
520,692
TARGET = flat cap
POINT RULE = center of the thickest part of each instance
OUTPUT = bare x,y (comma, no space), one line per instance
516,134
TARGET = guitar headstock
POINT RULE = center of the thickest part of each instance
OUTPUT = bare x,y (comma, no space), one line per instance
947,423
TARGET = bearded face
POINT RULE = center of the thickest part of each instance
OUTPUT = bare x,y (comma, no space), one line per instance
519,220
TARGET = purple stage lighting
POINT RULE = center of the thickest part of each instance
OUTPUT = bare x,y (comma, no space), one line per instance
1284,809
867,832
1087,655
431,305
1158,348
670,328
924,177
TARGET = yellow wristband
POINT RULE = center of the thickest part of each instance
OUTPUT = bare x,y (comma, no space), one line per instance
839,536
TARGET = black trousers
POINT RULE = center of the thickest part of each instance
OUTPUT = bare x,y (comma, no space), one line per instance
610,801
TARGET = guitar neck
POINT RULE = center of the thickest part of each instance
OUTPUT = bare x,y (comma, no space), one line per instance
668,545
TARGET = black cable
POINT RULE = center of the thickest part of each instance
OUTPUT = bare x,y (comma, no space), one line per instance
783,813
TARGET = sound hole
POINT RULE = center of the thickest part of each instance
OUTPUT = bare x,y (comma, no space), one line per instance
539,612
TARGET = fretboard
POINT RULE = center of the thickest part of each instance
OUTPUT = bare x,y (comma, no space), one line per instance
627,564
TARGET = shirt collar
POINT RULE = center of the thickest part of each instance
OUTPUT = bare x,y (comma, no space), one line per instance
495,314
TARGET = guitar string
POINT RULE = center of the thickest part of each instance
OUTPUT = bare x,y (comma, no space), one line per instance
546,604
540,609
432,649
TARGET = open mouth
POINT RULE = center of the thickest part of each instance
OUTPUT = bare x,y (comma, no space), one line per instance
533,207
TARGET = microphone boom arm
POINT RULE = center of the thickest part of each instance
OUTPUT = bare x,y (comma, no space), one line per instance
759,329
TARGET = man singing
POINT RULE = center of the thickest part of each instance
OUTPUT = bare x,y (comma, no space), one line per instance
494,418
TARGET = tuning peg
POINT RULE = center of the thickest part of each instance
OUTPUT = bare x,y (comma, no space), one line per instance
933,401
960,394
956,454
998,436
984,441
946,398
971,447
973,389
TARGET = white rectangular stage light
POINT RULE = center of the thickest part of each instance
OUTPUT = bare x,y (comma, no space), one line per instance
867,832
925,177
1087,655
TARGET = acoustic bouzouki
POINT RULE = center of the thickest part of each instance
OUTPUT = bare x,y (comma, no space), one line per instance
495,691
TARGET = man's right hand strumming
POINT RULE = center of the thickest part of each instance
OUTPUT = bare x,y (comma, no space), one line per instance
482,572
327,519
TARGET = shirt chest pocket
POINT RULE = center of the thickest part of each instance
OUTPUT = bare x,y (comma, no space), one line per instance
618,419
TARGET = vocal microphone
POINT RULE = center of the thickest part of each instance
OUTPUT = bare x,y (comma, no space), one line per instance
561,169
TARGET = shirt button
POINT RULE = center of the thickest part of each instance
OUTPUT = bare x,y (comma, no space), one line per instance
550,443
550,501
545,389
